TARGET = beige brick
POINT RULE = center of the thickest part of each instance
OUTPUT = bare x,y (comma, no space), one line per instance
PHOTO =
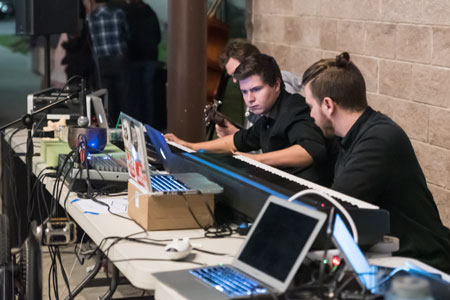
262,6
285,7
439,127
350,9
430,85
273,7
330,54
335,9
302,58
306,7
281,53
350,36
395,79
291,30
328,33
308,33
365,9
302,31
413,118
275,33
442,199
369,69
381,103
268,28
413,43
408,11
260,27
441,46
248,16
380,40
436,12
433,161
264,47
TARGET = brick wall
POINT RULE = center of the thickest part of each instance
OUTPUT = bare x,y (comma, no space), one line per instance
402,48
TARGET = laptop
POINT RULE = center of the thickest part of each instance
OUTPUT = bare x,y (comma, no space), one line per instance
138,169
168,159
377,279
270,256
95,101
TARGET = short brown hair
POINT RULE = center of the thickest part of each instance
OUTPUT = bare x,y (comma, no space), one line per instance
264,66
238,49
338,79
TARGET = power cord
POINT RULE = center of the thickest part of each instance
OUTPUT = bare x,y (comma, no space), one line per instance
332,201
211,231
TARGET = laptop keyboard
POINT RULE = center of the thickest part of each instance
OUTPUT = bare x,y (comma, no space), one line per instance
167,183
229,281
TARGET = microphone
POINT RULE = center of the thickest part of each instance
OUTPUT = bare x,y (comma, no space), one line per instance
83,120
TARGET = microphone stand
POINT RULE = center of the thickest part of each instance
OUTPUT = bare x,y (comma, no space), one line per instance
27,120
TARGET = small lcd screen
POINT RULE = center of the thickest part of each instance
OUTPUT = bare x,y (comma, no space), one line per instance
277,241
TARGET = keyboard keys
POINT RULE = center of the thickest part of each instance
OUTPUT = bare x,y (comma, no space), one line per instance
108,164
229,281
167,183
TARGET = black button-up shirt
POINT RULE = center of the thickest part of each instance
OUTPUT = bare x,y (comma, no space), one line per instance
288,123
377,164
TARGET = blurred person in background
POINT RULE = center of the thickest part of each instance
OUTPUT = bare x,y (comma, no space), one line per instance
145,35
110,34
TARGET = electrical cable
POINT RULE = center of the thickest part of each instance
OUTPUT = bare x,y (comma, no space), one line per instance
77,254
56,186
211,231
36,188
157,259
211,252
332,201
117,215
63,272
10,167
33,190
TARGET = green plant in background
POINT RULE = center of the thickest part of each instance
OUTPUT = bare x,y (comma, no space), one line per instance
20,44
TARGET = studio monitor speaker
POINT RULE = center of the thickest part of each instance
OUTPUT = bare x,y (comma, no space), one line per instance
42,17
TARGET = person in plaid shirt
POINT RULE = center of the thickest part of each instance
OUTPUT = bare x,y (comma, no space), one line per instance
109,34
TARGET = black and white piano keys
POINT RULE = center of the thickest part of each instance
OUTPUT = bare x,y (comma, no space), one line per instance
247,184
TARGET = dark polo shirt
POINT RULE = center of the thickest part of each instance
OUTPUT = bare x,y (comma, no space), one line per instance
377,164
288,123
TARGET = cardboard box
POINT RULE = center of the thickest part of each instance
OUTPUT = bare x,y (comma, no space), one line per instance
156,211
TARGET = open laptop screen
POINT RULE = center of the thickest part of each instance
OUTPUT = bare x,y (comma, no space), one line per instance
96,103
134,142
161,148
352,253
280,238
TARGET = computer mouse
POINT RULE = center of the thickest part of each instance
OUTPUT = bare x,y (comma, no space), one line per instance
178,249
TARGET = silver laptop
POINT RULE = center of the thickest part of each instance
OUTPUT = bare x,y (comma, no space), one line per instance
95,106
138,168
162,149
377,279
365,273
266,262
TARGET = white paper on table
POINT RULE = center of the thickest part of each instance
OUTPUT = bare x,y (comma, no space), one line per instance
118,205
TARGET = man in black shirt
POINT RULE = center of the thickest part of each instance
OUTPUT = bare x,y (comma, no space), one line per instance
286,133
376,161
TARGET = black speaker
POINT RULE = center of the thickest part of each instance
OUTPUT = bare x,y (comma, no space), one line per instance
42,17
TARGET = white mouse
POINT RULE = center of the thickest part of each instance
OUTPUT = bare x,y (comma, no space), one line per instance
178,249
